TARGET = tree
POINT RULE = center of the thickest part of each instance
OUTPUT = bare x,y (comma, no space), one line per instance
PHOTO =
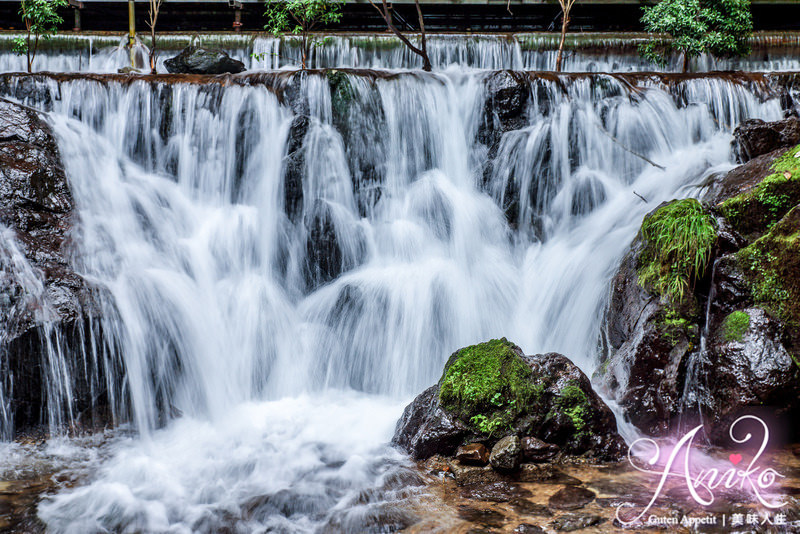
301,17
41,22
422,50
717,27
155,7
566,7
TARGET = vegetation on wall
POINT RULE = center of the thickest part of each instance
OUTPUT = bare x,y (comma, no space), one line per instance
717,27
301,17
41,20
679,238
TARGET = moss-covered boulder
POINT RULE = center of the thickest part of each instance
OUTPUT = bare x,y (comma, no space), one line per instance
690,342
493,390
759,207
654,318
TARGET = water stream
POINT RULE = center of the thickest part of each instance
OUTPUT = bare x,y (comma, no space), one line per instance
263,384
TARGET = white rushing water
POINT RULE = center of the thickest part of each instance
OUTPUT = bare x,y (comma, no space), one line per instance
280,340
592,52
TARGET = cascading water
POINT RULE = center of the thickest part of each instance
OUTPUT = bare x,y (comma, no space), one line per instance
271,334
592,52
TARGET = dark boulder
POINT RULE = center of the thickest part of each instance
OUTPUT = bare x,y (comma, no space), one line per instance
754,137
544,396
425,428
41,294
536,450
473,454
748,302
750,370
506,454
199,60
649,338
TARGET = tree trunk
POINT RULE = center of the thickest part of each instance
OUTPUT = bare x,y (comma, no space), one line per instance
564,26
685,62
304,52
426,61
153,50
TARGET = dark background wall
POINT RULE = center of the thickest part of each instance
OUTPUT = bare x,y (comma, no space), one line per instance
207,16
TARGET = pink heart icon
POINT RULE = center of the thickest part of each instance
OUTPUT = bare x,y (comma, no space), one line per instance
735,458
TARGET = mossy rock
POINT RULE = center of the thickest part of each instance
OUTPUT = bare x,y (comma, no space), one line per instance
488,386
678,241
772,269
493,390
755,211
735,326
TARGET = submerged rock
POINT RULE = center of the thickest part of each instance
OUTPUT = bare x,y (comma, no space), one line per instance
571,498
493,391
199,60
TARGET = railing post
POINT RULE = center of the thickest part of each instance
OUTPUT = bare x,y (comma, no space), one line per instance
132,32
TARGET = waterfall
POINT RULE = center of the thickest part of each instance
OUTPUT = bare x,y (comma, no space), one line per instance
288,259
586,52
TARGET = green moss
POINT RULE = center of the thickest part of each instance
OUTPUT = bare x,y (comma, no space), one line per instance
772,268
735,326
488,385
573,402
678,239
757,210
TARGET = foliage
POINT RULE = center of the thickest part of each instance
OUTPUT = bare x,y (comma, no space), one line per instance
772,267
674,325
573,402
678,238
488,386
41,20
717,27
759,209
735,326
301,17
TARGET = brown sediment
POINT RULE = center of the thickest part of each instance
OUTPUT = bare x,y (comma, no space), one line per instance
449,507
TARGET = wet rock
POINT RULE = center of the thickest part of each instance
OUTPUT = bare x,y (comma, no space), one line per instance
473,454
649,340
544,396
199,60
526,507
36,206
571,498
507,94
766,197
527,528
473,475
536,450
506,454
544,474
494,492
754,137
751,370
572,522
481,516
293,168
426,428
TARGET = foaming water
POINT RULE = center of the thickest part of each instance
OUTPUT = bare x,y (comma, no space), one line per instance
279,287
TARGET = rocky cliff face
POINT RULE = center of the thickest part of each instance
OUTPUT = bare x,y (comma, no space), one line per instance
45,304
729,344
